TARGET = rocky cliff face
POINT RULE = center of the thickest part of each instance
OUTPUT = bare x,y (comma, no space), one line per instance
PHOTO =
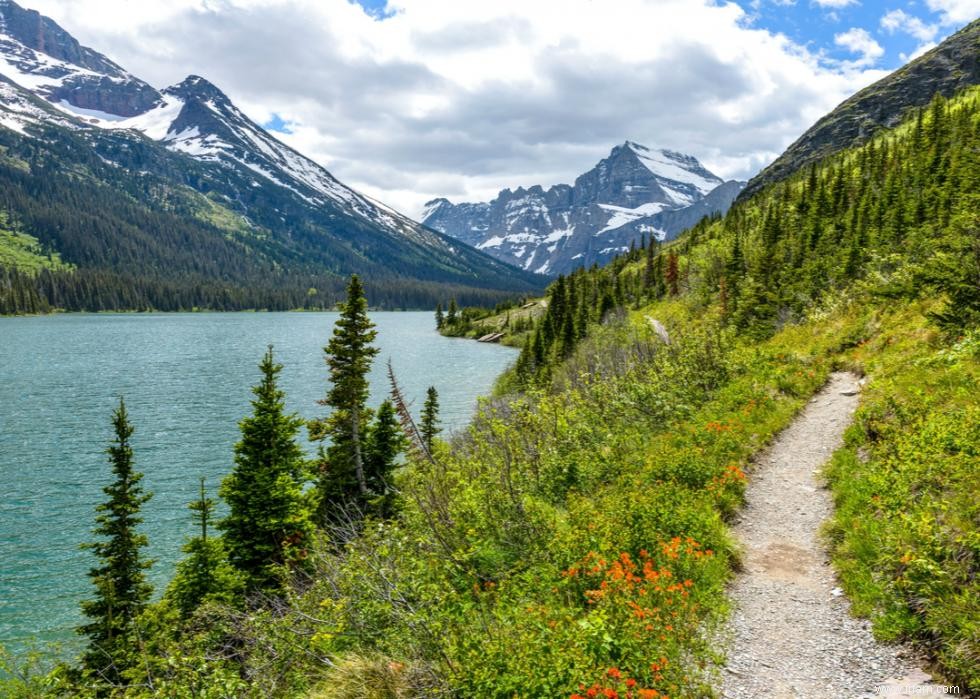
635,192
947,69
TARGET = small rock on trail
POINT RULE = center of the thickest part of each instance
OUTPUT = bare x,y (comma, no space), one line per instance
791,635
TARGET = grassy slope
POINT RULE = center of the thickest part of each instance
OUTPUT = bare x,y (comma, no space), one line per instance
514,323
23,252
906,533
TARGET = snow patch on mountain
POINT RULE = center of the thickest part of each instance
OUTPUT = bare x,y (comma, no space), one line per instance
621,216
676,167
155,123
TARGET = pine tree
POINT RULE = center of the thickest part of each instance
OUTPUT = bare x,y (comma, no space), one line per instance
440,317
121,589
348,355
384,443
451,315
268,524
648,268
955,271
672,275
205,574
430,418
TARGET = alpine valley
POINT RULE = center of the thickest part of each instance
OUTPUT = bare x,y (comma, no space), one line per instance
114,195
635,193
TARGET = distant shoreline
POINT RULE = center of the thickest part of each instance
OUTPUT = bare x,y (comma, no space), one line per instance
202,311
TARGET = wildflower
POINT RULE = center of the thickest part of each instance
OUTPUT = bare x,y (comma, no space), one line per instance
614,672
630,683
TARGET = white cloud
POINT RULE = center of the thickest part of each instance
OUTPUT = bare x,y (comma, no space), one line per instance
461,99
857,40
901,21
836,4
955,11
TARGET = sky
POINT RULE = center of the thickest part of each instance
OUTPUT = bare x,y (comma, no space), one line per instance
409,100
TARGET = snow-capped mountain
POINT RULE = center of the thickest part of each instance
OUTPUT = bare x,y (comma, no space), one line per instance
635,192
299,211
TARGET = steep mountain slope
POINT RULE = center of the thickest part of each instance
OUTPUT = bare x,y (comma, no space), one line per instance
285,225
946,69
636,192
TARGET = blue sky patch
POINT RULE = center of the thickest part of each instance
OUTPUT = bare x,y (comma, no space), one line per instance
277,124
376,8
898,27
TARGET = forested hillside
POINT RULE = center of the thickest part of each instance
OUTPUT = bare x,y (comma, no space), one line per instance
135,237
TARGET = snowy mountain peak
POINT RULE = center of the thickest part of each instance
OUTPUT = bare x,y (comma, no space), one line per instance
193,118
634,192
675,167
195,87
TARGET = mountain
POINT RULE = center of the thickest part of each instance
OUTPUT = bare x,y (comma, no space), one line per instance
945,70
183,168
635,192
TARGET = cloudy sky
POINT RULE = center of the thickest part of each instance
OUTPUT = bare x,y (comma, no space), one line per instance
408,100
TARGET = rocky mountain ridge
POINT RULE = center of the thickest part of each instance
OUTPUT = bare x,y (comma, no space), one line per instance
635,192
945,70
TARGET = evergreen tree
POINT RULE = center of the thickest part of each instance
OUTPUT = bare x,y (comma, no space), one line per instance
348,355
672,275
268,524
648,268
205,574
121,589
451,315
955,270
440,317
430,418
384,443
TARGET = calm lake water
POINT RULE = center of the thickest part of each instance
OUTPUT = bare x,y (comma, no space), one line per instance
186,381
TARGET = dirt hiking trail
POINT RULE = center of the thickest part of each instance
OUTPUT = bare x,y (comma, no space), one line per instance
791,635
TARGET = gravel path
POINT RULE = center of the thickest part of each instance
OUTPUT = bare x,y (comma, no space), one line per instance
791,634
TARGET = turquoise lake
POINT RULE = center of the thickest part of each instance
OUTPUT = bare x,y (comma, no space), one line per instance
186,379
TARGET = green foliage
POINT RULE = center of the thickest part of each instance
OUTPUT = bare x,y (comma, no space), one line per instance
349,355
384,444
905,530
205,575
268,526
121,589
954,271
429,426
